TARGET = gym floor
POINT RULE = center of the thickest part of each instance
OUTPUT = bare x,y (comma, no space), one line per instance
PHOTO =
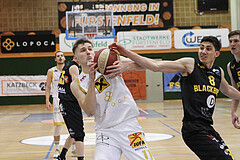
26,131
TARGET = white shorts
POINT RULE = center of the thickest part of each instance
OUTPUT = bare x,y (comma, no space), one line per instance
57,116
126,138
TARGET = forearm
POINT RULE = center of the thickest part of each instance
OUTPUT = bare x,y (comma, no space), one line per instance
47,94
235,104
131,65
90,100
232,92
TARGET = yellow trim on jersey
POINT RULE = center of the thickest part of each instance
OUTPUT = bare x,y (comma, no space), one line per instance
58,123
85,72
52,74
80,86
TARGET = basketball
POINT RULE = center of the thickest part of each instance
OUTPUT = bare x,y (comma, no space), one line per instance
105,57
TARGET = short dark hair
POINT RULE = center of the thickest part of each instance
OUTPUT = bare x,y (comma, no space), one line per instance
80,41
236,32
58,52
216,43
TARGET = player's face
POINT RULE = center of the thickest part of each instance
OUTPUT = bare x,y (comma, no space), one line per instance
207,53
234,44
60,58
84,53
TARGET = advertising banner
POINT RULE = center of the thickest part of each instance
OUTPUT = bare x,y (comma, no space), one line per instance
128,15
136,83
22,85
67,45
172,82
145,40
186,38
28,43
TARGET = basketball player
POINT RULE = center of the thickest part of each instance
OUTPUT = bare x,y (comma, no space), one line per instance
233,68
70,109
53,75
113,107
201,81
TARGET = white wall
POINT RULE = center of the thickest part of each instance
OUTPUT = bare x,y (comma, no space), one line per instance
235,14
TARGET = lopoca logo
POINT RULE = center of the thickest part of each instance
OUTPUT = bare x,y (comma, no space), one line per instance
28,43
8,44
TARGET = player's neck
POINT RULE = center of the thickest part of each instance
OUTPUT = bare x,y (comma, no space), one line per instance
237,57
85,69
60,66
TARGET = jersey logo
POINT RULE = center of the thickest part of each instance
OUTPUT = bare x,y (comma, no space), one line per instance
216,71
66,79
136,140
101,84
201,66
61,79
232,67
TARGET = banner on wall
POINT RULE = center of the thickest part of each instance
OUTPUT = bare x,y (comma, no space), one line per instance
145,40
128,15
28,43
172,82
136,83
185,38
22,85
67,45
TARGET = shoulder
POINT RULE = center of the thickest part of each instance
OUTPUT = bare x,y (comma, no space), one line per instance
50,70
187,60
188,63
228,65
222,72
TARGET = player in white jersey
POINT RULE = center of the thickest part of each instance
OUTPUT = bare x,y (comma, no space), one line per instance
53,75
114,109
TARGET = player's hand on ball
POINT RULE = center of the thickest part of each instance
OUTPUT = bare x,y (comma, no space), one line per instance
92,69
114,70
119,47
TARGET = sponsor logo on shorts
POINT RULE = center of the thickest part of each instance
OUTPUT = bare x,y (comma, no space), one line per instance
136,140
102,139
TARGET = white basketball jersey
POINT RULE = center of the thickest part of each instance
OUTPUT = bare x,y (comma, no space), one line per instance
55,79
115,103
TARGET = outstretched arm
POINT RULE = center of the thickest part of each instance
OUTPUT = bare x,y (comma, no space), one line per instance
235,103
181,65
124,64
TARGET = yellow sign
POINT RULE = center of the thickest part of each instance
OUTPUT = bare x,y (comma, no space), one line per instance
136,140
101,84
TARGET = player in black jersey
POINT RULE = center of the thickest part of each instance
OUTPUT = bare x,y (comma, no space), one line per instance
200,81
233,68
70,108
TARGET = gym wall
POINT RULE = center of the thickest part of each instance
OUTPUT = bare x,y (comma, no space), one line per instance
32,15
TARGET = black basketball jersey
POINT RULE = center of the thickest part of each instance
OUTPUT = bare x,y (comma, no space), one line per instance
235,70
65,80
199,91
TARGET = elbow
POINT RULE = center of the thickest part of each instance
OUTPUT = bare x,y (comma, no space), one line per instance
155,70
90,113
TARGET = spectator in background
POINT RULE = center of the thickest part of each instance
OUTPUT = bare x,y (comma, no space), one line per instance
70,109
233,68
53,75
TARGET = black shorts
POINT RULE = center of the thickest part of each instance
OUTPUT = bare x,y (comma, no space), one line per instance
72,115
205,143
